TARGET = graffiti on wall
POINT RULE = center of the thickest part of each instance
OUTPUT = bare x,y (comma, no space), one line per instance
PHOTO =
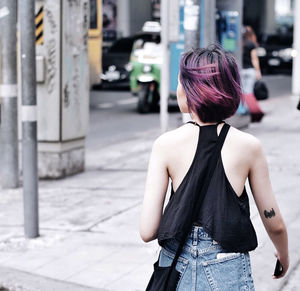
51,47
51,20
51,65
85,25
75,47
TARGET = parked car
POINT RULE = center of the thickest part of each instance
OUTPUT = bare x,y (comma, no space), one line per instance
276,53
116,65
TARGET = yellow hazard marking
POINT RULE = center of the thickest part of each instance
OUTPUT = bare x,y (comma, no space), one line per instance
39,26
39,17
39,30
39,41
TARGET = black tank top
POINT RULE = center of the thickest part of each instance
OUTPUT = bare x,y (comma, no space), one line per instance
223,215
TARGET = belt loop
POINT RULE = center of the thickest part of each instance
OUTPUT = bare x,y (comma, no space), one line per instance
195,235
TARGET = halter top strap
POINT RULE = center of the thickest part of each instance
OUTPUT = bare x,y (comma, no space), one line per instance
195,123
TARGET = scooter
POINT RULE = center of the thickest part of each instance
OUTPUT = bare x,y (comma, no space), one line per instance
146,60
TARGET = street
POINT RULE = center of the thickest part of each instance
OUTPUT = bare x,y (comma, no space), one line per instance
114,118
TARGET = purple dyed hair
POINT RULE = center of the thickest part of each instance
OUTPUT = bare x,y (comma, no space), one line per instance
211,81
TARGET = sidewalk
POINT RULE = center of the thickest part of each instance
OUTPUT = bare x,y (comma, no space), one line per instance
89,222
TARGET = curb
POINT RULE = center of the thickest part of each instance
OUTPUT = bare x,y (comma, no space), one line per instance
15,280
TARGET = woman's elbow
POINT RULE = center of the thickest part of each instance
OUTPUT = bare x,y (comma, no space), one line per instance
278,229
147,236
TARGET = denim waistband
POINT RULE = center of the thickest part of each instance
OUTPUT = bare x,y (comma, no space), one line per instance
198,232
197,238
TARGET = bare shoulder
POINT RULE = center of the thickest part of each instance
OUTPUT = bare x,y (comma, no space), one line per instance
170,138
244,140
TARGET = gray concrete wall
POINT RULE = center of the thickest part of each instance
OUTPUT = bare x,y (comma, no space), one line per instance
140,11
123,18
268,17
254,14
131,16
210,22
260,14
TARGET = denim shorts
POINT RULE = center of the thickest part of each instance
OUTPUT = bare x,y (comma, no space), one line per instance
204,265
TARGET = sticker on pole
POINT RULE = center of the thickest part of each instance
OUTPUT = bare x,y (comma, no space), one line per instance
191,17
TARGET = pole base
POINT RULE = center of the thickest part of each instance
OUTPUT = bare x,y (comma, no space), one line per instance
59,160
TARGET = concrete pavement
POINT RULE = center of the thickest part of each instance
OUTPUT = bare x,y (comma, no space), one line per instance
89,222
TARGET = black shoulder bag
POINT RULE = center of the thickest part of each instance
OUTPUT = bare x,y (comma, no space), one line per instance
166,278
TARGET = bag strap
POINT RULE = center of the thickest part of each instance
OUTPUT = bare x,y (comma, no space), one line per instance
199,199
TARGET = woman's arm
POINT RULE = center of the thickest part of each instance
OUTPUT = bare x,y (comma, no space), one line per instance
267,206
255,63
155,192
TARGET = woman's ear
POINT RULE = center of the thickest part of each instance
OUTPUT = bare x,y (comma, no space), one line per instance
181,98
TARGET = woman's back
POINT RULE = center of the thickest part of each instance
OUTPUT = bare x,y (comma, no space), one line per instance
222,206
180,148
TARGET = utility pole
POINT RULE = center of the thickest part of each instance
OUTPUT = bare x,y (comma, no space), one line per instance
29,117
9,172
296,51
165,70
191,25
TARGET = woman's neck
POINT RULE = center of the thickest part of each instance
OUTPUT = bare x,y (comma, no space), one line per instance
196,119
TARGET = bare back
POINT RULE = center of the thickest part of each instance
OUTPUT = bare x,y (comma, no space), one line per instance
235,155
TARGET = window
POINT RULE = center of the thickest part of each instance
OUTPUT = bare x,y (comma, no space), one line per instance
93,14
122,45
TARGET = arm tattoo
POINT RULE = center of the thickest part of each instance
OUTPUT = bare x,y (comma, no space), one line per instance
269,214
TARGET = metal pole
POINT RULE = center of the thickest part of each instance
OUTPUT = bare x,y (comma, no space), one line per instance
8,91
208,12
165,70
29,117
191,25
296,51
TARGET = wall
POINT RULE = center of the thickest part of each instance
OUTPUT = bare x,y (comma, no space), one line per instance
268,17
253,14
140,11
123,18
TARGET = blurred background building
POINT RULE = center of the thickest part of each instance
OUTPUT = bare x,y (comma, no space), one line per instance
120,41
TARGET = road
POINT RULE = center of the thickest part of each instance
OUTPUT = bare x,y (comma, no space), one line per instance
114,118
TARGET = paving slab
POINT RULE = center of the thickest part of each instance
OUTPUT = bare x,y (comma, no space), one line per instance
16,280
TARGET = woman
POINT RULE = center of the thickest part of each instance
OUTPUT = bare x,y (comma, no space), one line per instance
251,69
215,255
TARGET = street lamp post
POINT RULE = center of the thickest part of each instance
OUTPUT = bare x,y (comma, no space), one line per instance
191,27
296,51
191,24
165,71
